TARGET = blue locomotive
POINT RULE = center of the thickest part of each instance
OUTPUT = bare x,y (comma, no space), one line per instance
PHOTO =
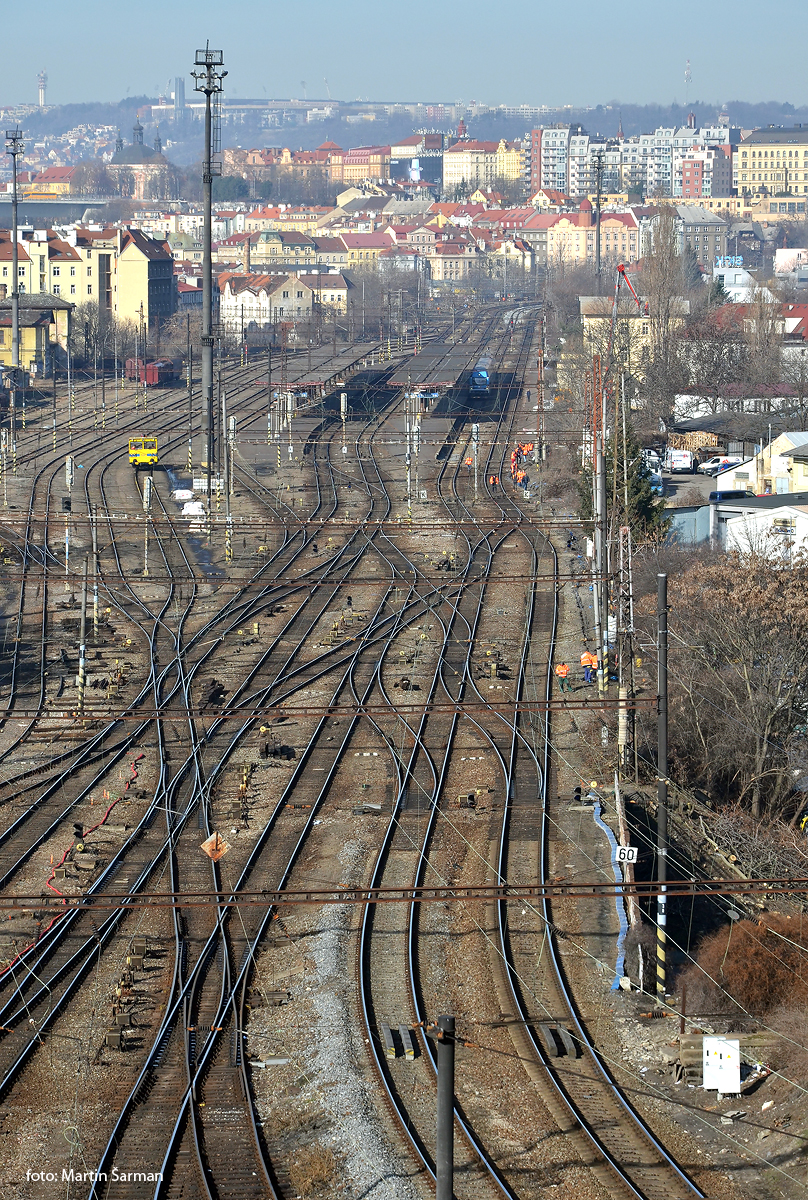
480,381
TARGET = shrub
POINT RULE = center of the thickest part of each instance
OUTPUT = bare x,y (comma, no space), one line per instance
312,1168
761,965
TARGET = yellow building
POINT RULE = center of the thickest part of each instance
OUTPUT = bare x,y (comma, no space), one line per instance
53,181
292,249
144,279
772,162
119,269
24,268
329,291
781,466
360,163
44,330
285,219
364,248
469,165
636,330
571,238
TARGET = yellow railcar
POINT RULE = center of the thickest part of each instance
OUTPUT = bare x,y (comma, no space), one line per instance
143,451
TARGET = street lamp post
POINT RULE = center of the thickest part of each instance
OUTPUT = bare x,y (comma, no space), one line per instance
209,80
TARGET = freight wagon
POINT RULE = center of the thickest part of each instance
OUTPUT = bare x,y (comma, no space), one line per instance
155,371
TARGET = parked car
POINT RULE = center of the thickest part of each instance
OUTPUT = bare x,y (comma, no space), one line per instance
720,462
729,494
657,484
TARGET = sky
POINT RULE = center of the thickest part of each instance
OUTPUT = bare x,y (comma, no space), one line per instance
542,52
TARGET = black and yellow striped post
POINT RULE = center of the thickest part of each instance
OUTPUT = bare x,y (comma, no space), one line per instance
662,783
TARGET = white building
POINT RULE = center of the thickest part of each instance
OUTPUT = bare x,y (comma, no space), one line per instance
251,302
776,533
554,158
739,285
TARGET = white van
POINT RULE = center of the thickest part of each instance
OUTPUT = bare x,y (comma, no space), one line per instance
680,462
720,462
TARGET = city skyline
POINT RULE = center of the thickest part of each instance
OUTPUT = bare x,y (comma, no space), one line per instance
543,58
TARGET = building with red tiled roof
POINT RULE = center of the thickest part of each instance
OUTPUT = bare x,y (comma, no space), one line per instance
364,248
189,295
330,250
260,302
329,289
453,259
53,181
504,218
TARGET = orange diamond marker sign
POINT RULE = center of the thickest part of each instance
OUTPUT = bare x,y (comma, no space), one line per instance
215,847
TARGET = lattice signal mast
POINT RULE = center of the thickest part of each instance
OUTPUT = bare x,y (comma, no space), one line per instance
209,79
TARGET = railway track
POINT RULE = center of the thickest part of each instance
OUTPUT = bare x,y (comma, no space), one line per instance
189,1115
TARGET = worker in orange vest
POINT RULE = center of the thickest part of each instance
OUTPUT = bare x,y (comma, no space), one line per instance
562,671
589,662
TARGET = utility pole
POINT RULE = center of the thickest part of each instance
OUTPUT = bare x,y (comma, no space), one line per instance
408,453
83,640
662,784
94,530
269,389
601,635
14,147
147,498
189,354
209,81
598,164
229,433
444,1155
103,380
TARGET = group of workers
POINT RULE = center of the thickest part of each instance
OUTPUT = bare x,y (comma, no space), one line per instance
518,455
589,663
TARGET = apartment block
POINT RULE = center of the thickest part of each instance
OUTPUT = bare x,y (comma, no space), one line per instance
772,162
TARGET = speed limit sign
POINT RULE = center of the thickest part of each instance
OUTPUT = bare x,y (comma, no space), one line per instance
626,854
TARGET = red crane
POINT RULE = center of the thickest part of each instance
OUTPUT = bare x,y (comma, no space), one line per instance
620,278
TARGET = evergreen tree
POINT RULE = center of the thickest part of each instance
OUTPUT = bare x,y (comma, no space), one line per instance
646,511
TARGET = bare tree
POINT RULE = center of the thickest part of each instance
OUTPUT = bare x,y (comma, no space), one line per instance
91,178
738,671
763,331
662,284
